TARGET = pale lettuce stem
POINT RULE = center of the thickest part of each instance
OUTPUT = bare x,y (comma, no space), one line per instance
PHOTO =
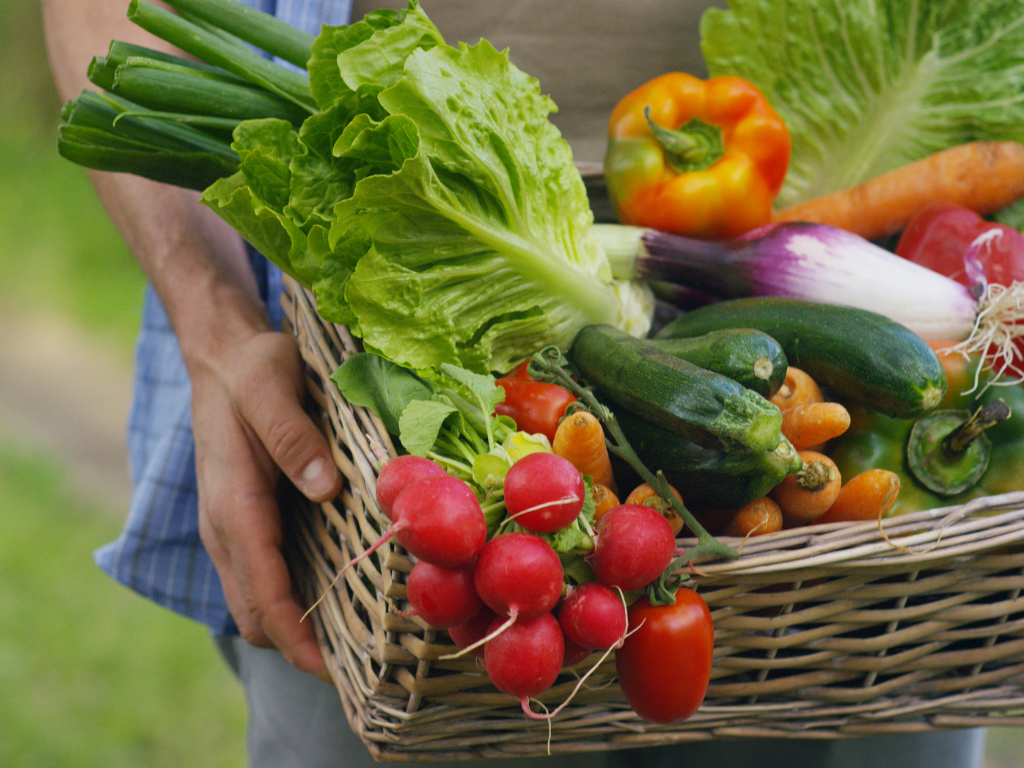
591,297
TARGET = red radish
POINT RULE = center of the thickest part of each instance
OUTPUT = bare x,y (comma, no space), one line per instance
438,519
443,597
543,492
525,658
519,576
399,472
573,654
593,616
633,546
471,632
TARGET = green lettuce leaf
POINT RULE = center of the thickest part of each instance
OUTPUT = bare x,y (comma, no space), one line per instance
868,85
430,205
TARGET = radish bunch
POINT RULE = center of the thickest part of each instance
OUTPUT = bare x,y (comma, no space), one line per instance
507,599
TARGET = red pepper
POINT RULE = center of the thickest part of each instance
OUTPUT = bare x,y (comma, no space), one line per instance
535,406
703,158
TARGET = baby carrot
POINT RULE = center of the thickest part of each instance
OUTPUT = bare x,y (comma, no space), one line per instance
798,388
867,496
604,499
812,424
645,495
580,439
755,518
981,175
809,493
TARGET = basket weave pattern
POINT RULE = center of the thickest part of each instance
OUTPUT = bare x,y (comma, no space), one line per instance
911,624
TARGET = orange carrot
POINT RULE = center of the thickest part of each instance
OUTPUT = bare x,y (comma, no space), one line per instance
868,496
797,389
580,439
981,175
645,495
807,494
604,499
755,518
812,424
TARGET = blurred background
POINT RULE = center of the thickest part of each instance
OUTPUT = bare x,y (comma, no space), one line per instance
91,674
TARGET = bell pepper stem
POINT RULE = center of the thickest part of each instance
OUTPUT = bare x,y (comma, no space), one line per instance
988,415
692,147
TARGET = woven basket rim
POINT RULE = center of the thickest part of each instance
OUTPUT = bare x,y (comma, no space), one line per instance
905,624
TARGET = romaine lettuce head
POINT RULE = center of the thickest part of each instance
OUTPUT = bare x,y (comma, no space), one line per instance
868,85
430,204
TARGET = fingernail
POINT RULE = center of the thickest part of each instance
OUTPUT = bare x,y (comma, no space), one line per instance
317,479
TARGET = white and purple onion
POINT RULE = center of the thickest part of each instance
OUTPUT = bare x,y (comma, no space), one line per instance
819,263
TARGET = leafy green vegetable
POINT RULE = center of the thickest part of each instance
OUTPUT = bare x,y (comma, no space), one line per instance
430,204
450,419
868,85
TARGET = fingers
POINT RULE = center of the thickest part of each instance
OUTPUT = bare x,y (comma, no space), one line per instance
249,424
242,533
274,412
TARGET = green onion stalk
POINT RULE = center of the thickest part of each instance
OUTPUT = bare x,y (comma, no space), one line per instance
169,118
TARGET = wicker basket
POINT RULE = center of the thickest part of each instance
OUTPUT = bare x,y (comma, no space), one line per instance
912,624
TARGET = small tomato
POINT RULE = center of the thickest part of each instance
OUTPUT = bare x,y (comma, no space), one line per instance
535,406
664,664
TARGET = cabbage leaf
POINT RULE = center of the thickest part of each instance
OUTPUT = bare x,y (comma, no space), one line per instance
868,85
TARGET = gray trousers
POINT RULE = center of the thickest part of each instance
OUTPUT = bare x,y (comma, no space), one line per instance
297,721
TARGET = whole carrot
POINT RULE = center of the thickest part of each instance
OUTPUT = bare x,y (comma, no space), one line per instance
755,518
580,439
645,495
604,500
981,175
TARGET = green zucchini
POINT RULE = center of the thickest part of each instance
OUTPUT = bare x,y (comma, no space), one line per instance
858,355
707,478
748,356
704,407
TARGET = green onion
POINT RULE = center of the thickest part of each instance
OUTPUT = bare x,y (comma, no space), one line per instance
121,53
211,48
164,151
266,32
168,87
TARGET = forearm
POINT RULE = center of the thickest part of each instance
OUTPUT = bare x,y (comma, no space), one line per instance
196,263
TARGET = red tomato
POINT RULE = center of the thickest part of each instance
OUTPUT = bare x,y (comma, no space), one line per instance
535,406
664,665
939,237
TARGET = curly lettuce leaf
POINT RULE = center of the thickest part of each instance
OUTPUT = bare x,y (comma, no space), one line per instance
431,205
868,85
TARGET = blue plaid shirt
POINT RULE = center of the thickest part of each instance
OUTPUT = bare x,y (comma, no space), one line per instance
159,554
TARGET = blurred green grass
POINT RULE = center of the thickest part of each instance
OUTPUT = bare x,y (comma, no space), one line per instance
91,675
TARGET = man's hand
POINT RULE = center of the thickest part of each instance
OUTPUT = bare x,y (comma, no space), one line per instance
249,426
